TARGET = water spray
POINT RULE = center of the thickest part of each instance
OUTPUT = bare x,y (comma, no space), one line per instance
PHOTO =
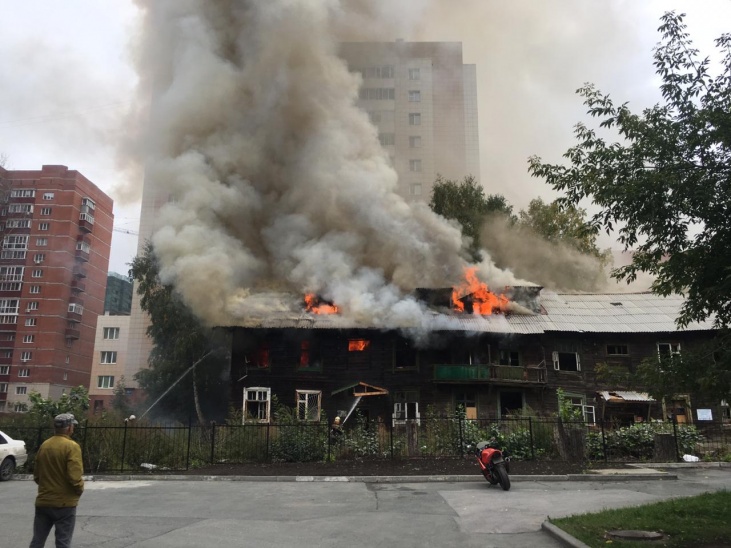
355,403
176,382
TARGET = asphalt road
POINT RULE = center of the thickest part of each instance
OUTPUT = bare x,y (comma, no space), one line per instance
221,514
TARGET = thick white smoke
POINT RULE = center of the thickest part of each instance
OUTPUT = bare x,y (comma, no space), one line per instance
269,178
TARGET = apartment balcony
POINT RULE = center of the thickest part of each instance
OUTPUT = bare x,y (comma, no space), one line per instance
496,374
86,223
82,255
79,272
78,286
72,333
73,317
75,299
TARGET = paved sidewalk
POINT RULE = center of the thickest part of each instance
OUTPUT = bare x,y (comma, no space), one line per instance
180,513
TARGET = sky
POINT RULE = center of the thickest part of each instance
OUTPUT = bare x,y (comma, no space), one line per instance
68,81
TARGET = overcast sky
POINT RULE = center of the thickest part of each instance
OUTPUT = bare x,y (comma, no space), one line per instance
68,80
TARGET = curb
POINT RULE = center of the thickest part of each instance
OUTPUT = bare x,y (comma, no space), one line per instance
368,479
562,536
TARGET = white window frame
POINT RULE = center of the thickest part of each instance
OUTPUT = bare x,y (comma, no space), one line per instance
673,349
46,210
3,388
259,398
26,356
32,305
21,390
105,381
19,242
28,338
41,242
48,196
557,364
30,322
414,118
415,165
305,411
23,372
414,74
4,370
108,357
111,333
35,289
44,226
22,193
414,96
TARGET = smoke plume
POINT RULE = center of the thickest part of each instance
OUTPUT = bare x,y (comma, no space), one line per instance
269,179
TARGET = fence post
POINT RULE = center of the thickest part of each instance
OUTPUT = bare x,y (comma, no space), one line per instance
461,436
124,447
267,451
213,440
532,441
675,435
187,454
604,443
391,436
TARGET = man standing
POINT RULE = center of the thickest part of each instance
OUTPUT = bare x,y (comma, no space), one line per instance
58,470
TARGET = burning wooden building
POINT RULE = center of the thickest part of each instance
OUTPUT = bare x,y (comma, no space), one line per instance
495,355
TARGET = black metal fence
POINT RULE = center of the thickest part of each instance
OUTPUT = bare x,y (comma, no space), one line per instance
131,448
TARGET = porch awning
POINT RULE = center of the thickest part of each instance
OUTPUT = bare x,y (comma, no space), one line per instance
362,389
625,396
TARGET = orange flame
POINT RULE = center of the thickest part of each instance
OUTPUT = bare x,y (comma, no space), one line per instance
313,304
483,300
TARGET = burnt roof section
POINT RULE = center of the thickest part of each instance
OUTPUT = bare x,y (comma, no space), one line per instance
559,312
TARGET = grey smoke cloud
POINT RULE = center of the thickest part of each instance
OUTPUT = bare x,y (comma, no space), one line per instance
271,179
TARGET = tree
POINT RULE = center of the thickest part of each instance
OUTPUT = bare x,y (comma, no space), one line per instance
180,343
666,185
566,225
703,370
44,410
466,203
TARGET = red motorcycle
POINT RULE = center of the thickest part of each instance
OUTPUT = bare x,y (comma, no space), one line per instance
493,463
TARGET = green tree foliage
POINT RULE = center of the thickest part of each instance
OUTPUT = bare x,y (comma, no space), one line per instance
562,225
665,186
466,203
44,409
179,341
703,370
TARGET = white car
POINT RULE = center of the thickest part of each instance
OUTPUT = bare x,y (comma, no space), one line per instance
12,455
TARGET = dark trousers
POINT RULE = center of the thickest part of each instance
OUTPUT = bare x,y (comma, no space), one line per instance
63,518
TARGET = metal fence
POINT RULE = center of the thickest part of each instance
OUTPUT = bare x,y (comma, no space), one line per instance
130,448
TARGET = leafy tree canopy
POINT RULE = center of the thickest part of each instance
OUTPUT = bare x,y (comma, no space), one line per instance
179,342
45,409
466,203
703,370
666,185
559,224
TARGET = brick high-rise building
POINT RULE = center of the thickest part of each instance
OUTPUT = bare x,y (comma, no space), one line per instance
56,233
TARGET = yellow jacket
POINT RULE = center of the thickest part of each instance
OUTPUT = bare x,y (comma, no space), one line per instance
58,470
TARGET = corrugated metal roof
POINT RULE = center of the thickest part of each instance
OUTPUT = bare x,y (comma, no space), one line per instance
619,396
564,312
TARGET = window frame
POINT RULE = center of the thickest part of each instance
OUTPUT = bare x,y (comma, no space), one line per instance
264,405
105,380
108,357
302,398
110,331
556,357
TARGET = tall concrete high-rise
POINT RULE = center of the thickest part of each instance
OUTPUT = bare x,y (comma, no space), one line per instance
56,236
423,100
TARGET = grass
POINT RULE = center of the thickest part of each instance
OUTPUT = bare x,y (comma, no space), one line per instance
697,521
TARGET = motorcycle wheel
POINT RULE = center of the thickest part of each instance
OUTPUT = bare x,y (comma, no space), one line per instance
502,476
490,477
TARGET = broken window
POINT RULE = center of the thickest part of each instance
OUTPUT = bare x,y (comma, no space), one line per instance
566,361
668,350
358,345
257,404
308,405
405,356
617,350
578,401
509,357
262,357
406,405
467,401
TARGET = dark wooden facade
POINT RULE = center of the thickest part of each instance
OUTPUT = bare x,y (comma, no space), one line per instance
492,375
